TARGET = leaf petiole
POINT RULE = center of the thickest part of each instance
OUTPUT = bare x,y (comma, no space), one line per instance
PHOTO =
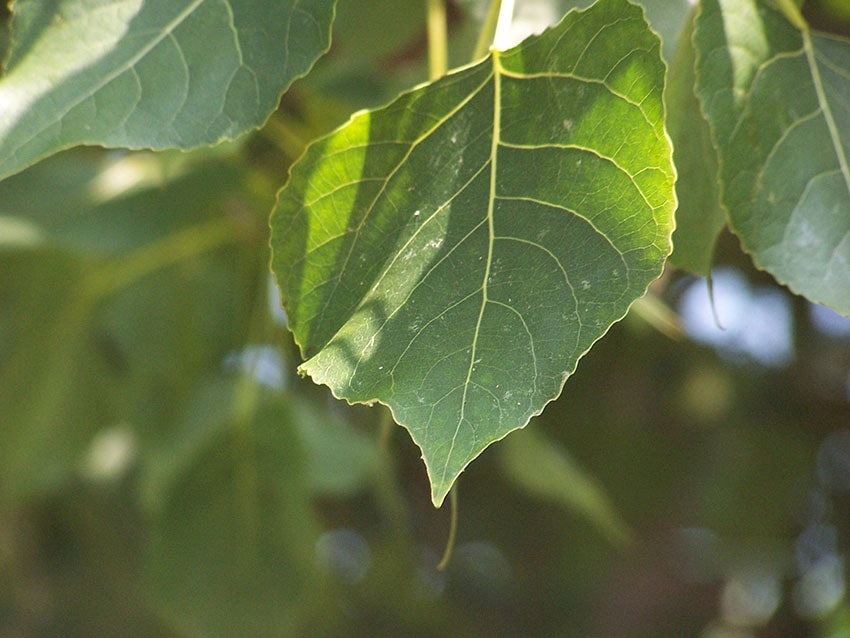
438,63
792,12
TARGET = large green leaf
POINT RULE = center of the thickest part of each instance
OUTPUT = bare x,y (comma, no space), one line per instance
149,73
778,101
455,253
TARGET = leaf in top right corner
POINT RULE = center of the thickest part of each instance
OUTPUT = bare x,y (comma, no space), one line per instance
777,97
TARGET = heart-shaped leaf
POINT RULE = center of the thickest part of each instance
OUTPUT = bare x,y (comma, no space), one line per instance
454,254
149,73
777,98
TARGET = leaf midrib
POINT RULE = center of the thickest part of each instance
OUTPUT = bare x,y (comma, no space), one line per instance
494,147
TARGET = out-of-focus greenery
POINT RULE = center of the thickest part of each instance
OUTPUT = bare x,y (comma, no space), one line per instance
165,472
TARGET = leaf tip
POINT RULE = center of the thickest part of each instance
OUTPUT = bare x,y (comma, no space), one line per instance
439,493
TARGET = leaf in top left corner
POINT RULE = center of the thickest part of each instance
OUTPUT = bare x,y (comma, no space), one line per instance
149,73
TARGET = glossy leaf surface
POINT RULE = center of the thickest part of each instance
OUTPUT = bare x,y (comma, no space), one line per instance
152,73
455,253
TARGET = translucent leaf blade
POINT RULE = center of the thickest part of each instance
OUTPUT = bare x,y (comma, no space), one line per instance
777,101
454,254
152,73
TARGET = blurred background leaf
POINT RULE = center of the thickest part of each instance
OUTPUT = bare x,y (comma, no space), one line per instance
548,471
232,533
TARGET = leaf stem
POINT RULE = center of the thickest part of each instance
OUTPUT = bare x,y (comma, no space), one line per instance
438,62
485,38
450,543
389,497
792,12
502,39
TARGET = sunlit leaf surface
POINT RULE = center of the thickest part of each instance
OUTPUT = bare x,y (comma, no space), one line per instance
152,73
778,103
453,254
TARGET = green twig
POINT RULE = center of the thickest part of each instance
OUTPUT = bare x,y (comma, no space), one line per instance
438,56
485,38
